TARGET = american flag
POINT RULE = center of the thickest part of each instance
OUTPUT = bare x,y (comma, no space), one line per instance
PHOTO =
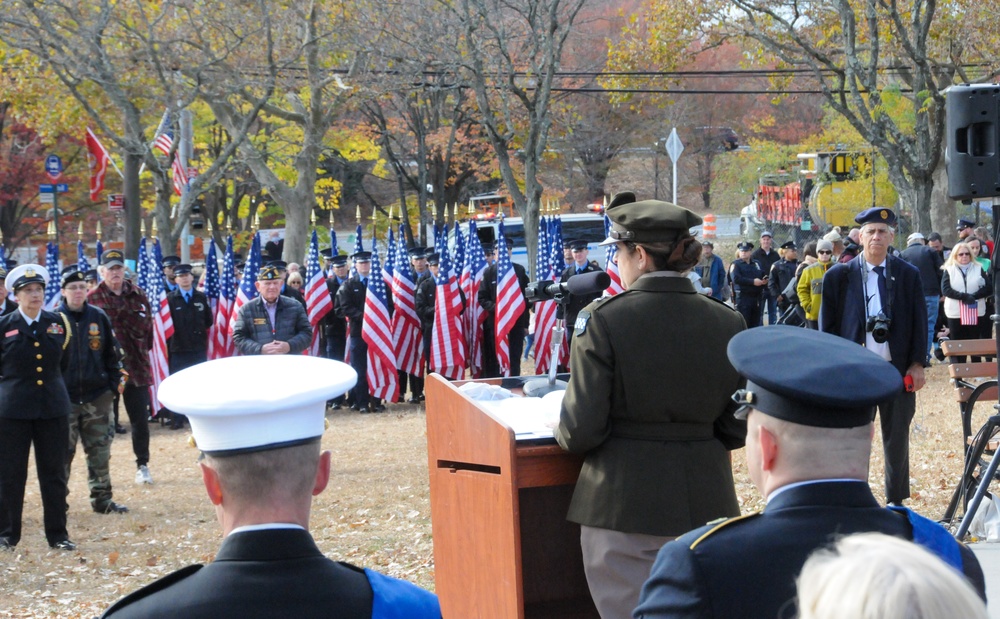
390,259
447,337
359,246
475,317
439,240
163,327
248,290
81,258
317,295
545,312
610,250
211,291
406,335
142,267
333,247
163,141
968,313
52,289
227,291
376,330
510,302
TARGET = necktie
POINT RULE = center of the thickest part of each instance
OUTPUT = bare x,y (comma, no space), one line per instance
883,295
187,297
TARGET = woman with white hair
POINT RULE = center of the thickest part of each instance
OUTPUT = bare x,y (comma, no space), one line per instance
876,576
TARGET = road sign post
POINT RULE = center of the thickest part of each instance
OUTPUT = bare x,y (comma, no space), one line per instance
54,170
674,149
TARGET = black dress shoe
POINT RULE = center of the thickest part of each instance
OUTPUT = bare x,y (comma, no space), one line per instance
63,545
376,408
112,508
414,400
355,407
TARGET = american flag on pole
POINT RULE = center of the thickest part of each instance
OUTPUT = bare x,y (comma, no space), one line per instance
390,259
447,337
475,317
248,290
333,247
545,312
610,250
376,331
510,302
100,254
142,268
212,291
227,293
81,258
406,335
52,289
163,141
359,246
968,313
317,295
163,328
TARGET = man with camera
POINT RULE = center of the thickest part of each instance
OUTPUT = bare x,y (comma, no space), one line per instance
877,300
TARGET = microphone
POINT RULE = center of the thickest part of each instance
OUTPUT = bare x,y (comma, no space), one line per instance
582,285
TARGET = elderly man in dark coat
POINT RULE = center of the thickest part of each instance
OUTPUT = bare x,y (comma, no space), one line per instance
272,324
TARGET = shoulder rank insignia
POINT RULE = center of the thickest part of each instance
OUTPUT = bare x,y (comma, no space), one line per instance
581,322
719,525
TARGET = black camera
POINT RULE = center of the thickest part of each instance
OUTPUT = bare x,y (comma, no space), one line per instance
878,326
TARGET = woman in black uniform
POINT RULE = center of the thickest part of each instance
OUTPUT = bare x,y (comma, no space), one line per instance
34,408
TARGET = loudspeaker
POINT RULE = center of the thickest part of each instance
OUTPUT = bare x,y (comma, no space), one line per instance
973,136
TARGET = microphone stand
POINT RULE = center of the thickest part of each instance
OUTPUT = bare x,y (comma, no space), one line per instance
541,386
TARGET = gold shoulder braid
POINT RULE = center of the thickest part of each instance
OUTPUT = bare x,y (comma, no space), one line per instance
69,331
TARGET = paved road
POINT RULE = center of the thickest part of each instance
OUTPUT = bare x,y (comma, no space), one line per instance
726,227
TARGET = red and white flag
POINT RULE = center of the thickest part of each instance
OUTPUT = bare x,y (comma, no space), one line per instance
98,160
447,337
406,335
510,302
376,331
317,295
475,317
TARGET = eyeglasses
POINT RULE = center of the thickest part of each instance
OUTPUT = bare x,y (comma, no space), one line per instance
824,251
964,253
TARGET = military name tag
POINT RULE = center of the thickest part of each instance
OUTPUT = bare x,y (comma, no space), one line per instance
581,322
55,329
260,321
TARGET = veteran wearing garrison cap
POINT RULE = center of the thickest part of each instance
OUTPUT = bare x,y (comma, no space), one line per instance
648,404
808,402
34,408
272,324
877,300
262,464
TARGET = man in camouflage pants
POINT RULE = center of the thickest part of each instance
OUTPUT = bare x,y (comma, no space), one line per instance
93,375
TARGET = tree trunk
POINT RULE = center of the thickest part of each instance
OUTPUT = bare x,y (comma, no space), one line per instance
943,214
133,205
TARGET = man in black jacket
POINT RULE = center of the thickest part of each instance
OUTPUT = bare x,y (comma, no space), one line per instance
488,301
351,305
424,288
928,262
782,273
766,256
272,324
192,318
333,325
94,374
576,303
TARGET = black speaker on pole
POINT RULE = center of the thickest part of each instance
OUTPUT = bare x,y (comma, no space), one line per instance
973,155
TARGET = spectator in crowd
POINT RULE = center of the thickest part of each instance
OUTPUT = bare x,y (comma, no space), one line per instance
262,463
810,286
132,319
712,270
286,290
192,317
808,404
655,464
271,324
749,280
34,408
877,576
978,249
964,283
935,242
94,374
838,243
809,258
295,281
965,229
878,301
294,267
766,257
984,235
488,301
852,245
782,274
929,263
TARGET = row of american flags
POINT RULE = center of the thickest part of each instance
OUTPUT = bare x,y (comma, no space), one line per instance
394,338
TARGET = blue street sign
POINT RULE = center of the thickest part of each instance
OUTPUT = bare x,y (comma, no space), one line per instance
53,167
62,188
46,189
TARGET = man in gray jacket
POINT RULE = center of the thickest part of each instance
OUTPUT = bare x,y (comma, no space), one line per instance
272,324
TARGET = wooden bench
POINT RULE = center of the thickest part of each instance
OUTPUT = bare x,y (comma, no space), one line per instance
973,381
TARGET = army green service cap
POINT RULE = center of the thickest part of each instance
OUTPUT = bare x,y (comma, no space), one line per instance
647,221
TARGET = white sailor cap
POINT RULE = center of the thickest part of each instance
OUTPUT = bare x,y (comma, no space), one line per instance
245,404
25,274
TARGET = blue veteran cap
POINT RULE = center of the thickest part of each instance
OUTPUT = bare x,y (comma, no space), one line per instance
876,215
809,377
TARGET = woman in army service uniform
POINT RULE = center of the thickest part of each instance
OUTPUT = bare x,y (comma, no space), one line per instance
34,408
648,404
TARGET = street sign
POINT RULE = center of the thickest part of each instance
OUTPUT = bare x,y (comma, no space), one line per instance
62,188
674,146
47,198
46,188
116,202
54,167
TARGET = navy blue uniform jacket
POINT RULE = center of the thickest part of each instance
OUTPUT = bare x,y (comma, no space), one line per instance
842,310
746,567
32,366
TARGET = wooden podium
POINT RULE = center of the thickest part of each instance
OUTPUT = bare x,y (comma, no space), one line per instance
502,545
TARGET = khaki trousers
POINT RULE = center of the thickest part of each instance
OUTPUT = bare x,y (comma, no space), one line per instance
617,564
